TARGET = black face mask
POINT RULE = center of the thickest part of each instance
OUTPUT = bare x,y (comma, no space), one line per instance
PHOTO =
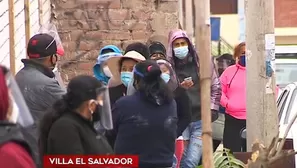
52,62
96,113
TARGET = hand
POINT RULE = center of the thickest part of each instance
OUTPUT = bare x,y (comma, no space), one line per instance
187,84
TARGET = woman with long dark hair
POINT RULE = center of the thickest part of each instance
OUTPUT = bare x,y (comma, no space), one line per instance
145,123
68,127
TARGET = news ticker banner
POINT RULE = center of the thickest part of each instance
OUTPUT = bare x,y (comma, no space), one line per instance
106,161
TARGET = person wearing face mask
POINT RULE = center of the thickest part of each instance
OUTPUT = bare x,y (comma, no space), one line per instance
15,151
145,123
37,81
233,81
121,68
122,76
185,61
100,69
67,129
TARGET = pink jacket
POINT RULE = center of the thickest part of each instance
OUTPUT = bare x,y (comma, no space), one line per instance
233,82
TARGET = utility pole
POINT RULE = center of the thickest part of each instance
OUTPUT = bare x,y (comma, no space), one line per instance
262,117
189,18
181,14
12,36
203,44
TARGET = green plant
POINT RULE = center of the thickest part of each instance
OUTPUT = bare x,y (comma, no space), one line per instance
225,159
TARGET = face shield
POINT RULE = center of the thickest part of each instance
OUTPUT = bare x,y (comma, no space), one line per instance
20,111
130,88
168,74
58,77
52,30
105,112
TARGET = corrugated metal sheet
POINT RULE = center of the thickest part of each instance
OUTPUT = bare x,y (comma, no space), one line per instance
20,37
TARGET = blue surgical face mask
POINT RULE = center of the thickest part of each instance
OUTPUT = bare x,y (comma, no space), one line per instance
181,52
242,60
126,77
165,77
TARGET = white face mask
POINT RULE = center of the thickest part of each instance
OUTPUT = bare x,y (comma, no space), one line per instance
107,71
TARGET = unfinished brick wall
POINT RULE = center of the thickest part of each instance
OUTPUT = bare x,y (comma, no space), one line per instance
85,26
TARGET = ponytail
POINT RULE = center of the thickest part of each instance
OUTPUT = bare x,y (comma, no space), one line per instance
147,76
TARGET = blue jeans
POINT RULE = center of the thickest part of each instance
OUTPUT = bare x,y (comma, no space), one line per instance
193,152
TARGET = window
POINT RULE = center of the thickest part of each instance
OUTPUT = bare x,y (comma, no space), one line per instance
223,7
286,73
281,103
291,108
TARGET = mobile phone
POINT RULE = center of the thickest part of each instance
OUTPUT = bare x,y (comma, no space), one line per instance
188,79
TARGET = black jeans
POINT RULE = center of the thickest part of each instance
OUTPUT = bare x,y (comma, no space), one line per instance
231,138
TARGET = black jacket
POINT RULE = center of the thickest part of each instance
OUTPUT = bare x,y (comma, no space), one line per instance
146,130
117,92
184,109
72,134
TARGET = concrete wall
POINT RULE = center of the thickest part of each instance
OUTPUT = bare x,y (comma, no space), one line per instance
85,26
20,41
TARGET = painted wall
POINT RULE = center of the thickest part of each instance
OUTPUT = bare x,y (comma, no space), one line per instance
20,41
230,31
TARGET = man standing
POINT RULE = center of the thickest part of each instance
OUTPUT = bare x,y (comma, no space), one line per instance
185,61
37,82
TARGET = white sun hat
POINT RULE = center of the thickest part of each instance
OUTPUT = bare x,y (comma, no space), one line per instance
114,67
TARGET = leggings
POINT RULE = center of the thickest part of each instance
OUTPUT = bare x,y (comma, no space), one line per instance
232,139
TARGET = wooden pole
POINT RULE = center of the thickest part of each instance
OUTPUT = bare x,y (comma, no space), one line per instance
262,117
181,14
12,36
203,44
40,9
27,20
189,18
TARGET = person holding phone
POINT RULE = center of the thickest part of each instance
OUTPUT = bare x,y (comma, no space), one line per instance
185,61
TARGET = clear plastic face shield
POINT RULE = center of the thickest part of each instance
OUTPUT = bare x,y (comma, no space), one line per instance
20,113
105,112
130,88
102,60
168,74
52,30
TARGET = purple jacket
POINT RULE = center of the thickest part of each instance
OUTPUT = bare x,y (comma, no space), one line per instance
193,57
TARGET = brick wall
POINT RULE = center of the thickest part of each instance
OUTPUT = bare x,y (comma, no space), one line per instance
87,25
285,13
20,41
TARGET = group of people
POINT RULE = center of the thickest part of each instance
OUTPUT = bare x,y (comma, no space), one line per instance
138,102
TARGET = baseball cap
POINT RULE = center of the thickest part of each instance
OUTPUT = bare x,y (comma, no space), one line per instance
41,45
